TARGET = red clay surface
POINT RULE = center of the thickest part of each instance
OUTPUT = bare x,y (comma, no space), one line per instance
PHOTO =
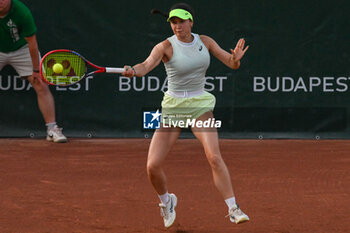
100,185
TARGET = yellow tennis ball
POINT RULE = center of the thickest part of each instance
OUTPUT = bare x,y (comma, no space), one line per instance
57,68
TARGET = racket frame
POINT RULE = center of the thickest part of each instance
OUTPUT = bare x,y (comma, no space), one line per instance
99,69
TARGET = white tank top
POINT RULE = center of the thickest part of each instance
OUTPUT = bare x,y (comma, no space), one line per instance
188,65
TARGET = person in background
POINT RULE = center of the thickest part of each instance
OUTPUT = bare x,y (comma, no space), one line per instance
19,48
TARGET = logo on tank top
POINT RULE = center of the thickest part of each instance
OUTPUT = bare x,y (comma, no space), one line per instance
200,48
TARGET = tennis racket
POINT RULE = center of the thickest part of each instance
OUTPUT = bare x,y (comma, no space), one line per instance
65,67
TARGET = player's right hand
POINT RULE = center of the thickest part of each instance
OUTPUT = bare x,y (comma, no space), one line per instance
128,72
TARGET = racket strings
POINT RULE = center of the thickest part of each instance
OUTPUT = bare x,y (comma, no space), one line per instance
72,68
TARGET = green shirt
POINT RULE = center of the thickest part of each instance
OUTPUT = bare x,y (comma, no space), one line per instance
15,26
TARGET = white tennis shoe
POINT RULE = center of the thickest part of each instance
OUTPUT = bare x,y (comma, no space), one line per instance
236,215
56,135
168,211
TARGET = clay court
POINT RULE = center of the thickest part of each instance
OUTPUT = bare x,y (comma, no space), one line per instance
100,185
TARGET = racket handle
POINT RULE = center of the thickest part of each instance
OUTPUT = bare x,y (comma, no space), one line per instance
114,70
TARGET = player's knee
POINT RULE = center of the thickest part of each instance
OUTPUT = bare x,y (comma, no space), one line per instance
152,168
215,160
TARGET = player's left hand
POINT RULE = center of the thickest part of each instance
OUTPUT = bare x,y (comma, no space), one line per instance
239,51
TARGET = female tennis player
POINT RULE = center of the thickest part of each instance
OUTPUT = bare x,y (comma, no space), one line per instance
186,59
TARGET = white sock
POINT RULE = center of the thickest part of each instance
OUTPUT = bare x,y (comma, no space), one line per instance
50,125
164,198
230,202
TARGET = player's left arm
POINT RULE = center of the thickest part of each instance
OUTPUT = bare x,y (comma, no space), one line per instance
231,60
34,53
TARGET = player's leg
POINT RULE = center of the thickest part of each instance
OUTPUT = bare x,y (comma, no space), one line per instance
222,180
162,141
45,99
47,107
21,61
209,140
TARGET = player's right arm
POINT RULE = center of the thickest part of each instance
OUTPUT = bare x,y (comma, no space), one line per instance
155,57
